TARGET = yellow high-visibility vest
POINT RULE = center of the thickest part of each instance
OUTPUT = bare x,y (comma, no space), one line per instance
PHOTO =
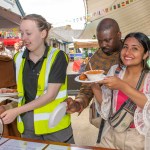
42,114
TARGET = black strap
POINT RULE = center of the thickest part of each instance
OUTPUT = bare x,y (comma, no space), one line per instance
103,121
101,127
140,79
129,104
100,131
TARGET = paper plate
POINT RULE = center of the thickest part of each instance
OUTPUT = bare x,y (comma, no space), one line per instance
87,81
8,94
57,114
8,98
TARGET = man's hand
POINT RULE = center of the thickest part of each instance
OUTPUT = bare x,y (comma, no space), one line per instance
113,82
73,106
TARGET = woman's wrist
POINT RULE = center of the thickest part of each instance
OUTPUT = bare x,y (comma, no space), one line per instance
18,110
124,86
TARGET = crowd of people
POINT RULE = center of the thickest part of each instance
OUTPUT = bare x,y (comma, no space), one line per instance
41,82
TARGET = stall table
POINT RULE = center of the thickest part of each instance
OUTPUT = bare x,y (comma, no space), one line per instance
16,143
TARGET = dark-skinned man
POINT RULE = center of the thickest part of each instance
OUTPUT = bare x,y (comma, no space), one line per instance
109,40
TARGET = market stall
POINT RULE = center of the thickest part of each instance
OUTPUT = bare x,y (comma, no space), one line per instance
88,46
86,43
10,42
10,17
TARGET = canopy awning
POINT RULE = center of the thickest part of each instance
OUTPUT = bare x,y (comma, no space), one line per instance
9,19
85,43
132,16
10,42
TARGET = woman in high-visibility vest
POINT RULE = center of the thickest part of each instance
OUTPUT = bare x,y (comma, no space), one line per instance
41,84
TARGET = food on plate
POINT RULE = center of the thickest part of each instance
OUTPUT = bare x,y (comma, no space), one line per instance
6,90
94,74
82,76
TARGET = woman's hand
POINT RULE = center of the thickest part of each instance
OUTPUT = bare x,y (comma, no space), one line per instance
113,82
9,115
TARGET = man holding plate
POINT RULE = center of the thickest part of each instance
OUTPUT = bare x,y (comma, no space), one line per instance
109,39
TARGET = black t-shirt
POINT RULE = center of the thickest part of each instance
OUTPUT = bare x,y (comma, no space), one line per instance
31,73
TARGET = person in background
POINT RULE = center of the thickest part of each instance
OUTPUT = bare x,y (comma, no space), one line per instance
42,86
134,53
109,40
16,48
21,44
4,50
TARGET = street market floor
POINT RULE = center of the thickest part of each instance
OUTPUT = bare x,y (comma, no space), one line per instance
84,132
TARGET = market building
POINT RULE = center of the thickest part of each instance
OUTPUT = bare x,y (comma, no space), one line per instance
11,13
63,36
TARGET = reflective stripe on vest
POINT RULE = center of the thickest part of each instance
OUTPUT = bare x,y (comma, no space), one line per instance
18,60
48,67
42,114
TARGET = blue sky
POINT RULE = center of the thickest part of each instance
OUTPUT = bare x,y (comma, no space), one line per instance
57,12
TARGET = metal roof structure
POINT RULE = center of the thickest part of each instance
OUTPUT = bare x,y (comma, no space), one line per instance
8,19
64,33
10,14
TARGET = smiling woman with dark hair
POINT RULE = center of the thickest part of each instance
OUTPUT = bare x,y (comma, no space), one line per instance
124,94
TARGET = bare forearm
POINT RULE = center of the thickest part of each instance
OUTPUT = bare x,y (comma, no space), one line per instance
83,100
98,96
39,102
85,95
